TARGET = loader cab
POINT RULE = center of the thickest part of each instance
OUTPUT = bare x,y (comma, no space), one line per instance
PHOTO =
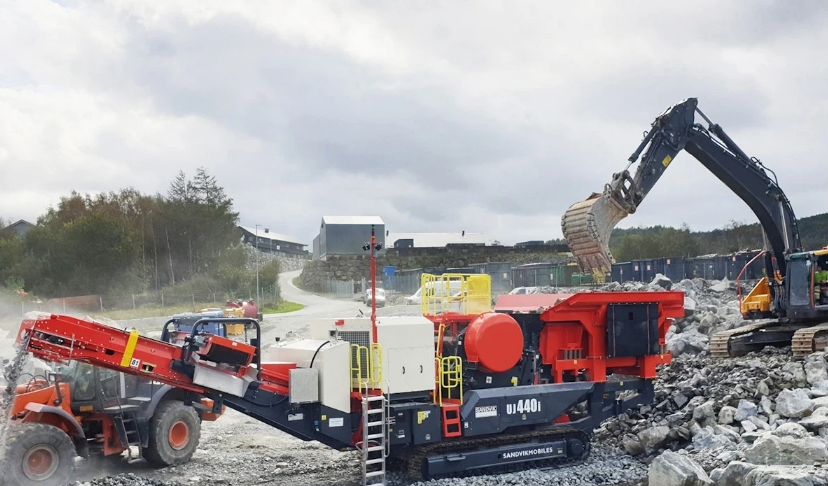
804,294
95,389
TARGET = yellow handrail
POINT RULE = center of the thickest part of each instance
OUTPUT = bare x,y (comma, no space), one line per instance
375,373
357,352
450,377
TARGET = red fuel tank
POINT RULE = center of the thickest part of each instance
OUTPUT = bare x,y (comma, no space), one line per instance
494,341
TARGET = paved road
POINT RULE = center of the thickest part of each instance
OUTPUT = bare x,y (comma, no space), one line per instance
316,306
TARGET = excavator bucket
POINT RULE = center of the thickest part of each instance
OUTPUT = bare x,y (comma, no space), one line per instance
587,226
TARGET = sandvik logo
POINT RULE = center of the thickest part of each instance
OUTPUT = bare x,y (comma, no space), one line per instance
489,411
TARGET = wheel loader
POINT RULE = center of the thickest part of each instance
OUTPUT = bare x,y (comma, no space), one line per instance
96,413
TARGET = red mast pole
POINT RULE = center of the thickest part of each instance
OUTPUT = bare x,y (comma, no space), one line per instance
373,285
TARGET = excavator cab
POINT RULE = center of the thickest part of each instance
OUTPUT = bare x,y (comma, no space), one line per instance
805,293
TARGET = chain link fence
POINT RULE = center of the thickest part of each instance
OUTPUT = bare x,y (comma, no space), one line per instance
173,302
342,288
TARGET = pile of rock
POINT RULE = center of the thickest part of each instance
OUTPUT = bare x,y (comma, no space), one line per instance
764,409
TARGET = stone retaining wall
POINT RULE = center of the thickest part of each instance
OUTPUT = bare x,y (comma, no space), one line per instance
357,267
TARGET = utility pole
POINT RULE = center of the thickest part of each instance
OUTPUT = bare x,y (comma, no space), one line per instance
256,246
373,246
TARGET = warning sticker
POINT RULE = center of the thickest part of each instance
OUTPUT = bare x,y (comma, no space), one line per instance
336,422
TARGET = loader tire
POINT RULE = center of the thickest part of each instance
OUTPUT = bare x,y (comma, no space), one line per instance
174,432
38,455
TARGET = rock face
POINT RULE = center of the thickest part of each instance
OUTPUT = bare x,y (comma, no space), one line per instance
671,469
771,449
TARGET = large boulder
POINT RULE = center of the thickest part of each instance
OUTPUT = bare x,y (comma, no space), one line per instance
814,422
721,286
791,429
654,437
734,474
707,438
815,368
689,306
726,415
704,411
746,409
793,403
660,282
690,341
781,476
770,449
671,469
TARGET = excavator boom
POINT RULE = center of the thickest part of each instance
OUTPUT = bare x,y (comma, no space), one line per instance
785,292
587,225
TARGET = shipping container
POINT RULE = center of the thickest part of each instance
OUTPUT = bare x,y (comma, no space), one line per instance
581,279
532,275
635,271
621,272
710,267
500,273
672,268
738,261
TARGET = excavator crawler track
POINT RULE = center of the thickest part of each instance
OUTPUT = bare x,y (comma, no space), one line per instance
721,341
804,338
809,340
416,461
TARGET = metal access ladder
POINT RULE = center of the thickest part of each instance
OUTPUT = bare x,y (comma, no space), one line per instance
374,439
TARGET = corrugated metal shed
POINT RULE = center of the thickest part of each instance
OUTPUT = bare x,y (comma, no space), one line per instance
346,235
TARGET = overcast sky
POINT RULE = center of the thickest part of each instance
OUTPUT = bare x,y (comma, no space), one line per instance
487,117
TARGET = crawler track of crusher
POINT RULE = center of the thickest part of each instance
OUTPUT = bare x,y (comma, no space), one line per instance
418,461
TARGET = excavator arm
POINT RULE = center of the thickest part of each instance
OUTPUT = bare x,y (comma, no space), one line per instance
587,225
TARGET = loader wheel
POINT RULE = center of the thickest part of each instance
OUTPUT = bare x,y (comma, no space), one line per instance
39,455
174,433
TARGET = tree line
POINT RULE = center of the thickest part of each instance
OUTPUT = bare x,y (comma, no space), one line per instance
129,242
660,241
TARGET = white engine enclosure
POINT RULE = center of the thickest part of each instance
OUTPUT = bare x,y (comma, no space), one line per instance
407,348
333,363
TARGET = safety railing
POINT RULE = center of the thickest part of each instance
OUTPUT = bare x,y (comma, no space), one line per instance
456,292
449,377
375,372
366,367
359,368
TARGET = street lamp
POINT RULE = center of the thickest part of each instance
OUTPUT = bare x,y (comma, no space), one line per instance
373,246
256,246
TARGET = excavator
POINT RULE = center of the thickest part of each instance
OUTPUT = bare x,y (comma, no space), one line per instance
786,305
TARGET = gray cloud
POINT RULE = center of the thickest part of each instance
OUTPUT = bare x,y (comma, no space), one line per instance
492,119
